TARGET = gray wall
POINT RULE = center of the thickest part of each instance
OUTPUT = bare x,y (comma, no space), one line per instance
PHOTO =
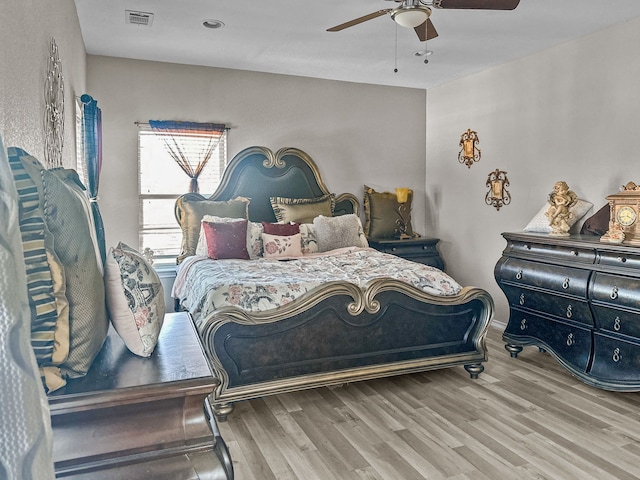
26,27
357,134
569,113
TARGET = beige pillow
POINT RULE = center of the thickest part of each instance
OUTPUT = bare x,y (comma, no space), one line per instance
302,210
194,210
66,208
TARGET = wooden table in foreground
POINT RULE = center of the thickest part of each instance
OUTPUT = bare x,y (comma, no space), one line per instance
141,418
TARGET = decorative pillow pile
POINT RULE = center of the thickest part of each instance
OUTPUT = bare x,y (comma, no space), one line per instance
195,210
226,239
254,236
64,273
135,299
302,210
281,246
540,223
338,232
381,214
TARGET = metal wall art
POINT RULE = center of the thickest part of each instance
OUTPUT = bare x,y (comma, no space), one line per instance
469,151
497,196
54,109
404,214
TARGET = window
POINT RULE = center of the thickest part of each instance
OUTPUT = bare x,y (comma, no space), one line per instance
161,181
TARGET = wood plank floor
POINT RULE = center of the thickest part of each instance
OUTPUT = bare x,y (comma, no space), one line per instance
524,418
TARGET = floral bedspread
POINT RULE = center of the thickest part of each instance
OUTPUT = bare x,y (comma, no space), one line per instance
204,285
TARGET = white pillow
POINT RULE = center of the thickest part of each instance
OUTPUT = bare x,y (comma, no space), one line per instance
135,299
540,223
279,246
339,232
254,236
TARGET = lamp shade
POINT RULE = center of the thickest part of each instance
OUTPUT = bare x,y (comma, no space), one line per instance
410,16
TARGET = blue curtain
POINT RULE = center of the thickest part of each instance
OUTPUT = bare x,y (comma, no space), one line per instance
92,141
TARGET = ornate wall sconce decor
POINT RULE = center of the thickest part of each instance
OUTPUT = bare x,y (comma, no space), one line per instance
54,109
404,212
469,151
497,196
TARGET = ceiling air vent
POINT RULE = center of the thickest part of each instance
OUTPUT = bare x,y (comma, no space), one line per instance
143,19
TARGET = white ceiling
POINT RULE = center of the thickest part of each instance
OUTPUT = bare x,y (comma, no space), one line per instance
290,37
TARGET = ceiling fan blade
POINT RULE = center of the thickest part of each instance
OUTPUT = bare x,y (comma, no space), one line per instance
478,4
426,31
358,20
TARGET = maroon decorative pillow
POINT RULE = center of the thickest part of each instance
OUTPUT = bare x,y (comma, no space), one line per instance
282,229
226,240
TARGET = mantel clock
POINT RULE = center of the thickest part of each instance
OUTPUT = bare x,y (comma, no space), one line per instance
624,219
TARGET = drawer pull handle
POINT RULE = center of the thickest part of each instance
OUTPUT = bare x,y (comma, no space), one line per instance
614,293
616,324
522,299
424,247
569,311
574,253
622,259
519,275
393,249
565,284
523,324
570,340
616,357
527,246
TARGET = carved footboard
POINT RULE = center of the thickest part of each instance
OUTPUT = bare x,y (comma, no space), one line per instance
341,333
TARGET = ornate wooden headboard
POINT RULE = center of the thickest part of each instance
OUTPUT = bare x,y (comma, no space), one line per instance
258,173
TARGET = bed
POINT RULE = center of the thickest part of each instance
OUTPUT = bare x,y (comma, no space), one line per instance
350,327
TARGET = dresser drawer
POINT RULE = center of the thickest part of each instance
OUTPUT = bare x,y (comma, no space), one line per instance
615,290
556,305
619,259
617,321
616,360
557,278
570,343
553,252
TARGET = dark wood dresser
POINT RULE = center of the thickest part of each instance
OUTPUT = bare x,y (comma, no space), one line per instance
421,250
141,418
578,298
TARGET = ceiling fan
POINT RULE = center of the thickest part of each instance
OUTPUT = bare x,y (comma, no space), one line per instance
415,13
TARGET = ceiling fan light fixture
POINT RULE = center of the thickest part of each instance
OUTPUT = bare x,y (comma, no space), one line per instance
410,16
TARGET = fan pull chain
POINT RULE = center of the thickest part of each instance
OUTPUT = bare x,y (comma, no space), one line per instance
395,66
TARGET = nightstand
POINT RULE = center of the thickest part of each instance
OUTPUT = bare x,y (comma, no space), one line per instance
167,274
141,418
421,250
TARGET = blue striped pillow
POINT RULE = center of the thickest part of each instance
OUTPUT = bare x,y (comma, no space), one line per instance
45,299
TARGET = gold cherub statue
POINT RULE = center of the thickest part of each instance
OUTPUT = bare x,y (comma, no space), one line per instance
561,199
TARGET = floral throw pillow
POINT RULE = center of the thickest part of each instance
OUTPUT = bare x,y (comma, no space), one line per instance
279,246
135,299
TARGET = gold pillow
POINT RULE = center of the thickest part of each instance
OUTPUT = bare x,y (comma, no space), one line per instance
381,214
194,210
302,210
